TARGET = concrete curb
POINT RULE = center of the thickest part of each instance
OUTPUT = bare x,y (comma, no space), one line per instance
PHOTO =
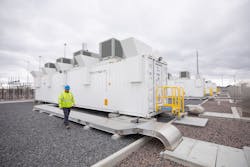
235,112
16,101
118,156
204,102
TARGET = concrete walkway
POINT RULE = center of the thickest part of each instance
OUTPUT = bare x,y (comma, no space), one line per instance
192,152
16,101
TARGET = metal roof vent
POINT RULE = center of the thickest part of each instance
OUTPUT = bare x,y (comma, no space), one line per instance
111,48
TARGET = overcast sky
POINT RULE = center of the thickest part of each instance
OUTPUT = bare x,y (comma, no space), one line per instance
218,29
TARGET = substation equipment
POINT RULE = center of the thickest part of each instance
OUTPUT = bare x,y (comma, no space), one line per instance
126,80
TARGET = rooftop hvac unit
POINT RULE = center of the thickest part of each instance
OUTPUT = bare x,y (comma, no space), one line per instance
111,48
84,54
63,64
49,65
184,74
64,60
133,47
49,68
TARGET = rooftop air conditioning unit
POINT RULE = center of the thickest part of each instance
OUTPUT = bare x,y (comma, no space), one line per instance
63,64
111,48
49,68
184,74
64,60
50,65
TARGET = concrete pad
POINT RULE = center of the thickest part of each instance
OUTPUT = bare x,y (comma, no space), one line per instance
203,153
182,151
235,112
230,157
231,101
217,114
192,152
193,121
247,154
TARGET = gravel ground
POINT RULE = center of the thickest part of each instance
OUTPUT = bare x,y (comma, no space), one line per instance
193,102
229,132
213,106
29,138
148,155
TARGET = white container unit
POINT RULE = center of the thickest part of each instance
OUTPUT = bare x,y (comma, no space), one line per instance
125,87
119,83
37,75
194,88
51,82
123,80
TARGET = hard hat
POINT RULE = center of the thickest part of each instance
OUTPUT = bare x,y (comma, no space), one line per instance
67,87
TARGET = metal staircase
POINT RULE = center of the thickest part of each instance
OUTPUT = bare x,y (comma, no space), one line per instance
170,98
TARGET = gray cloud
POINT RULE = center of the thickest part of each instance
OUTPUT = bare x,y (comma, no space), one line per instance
219,30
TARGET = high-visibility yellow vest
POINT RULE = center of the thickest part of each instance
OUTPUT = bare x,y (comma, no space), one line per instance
66,100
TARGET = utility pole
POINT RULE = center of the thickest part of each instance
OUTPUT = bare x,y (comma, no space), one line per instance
197,66
197,63
64,50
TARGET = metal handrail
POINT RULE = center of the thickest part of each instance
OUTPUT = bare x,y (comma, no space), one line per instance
170,96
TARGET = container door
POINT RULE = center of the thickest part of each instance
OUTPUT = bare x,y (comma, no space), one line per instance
157,76
150,82
160,76
158,79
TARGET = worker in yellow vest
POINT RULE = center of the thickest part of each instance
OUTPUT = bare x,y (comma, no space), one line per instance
66,102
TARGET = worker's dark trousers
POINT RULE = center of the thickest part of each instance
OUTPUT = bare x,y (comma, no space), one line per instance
66,112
